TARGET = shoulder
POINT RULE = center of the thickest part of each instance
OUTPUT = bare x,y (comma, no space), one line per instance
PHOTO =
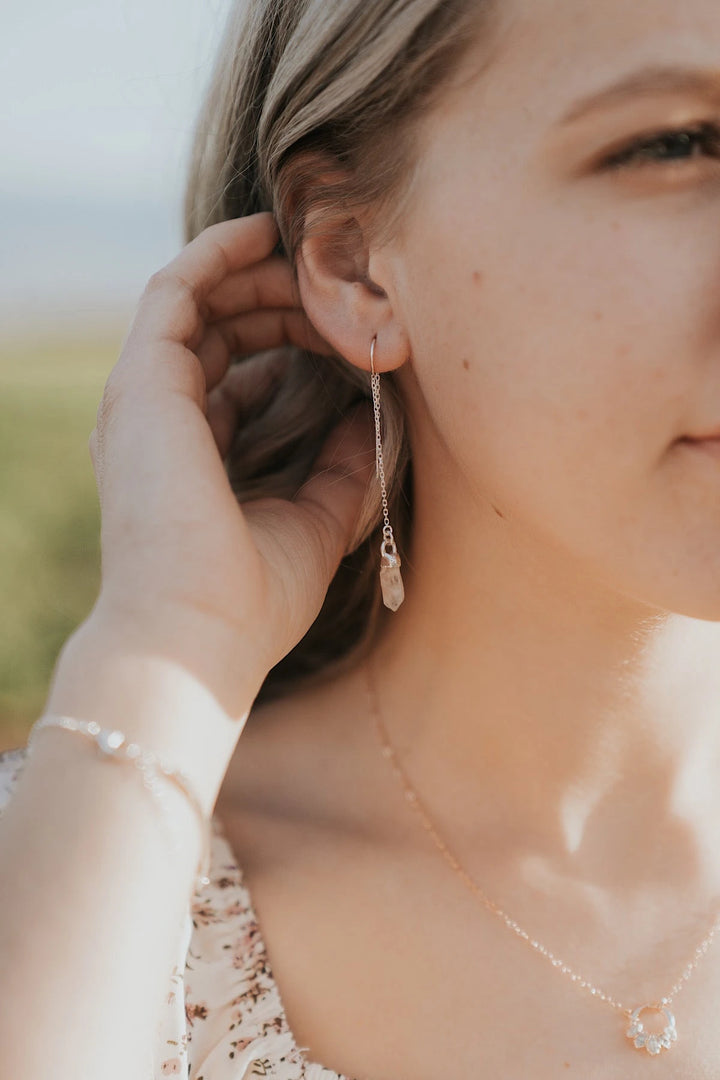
11,765
299,756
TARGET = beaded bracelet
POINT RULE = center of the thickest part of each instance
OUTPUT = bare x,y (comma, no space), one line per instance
112,744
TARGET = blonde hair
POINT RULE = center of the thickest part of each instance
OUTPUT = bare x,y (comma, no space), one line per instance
297,83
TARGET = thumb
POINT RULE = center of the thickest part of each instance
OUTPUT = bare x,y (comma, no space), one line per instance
335,492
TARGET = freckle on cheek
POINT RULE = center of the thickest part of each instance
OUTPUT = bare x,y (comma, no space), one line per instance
477,277
466,364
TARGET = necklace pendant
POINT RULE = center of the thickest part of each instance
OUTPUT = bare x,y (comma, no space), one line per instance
652,1042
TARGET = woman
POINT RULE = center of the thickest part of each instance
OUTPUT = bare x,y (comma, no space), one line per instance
509,212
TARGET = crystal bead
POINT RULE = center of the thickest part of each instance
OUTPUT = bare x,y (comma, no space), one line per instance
110,741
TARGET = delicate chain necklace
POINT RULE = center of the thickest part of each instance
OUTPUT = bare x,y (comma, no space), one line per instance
636,1031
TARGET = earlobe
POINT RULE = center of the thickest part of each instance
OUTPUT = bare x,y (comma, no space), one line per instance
341,300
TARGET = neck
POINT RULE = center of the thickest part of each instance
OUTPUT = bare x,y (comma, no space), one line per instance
539,712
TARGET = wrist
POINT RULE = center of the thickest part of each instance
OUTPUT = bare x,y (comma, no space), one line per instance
160,693
154,773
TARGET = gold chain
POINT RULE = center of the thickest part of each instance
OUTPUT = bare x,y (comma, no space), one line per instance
413,799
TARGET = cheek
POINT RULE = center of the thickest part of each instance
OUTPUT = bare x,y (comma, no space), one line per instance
555,394
562,342
505,373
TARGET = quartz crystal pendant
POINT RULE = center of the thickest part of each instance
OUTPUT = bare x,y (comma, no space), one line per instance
653,1043
391,582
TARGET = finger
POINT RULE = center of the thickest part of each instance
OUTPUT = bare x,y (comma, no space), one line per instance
332,497
253,332
269,283
194,374
171,307
243,386
222,413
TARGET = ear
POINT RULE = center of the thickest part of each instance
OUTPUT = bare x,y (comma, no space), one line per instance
347,305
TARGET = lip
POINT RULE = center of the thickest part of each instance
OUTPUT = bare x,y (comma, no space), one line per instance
710,445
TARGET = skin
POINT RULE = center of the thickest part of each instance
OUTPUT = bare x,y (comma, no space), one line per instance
552,681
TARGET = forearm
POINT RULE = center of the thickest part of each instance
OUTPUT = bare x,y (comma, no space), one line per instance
92,893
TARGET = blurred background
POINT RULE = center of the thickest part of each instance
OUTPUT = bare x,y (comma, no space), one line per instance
99,102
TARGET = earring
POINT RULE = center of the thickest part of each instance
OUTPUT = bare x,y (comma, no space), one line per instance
391,582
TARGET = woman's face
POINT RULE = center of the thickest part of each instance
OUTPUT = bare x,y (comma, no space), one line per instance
564,314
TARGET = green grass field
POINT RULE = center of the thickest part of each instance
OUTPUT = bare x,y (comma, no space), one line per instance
49,512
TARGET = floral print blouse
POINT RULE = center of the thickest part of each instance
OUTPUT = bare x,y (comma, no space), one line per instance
222,1018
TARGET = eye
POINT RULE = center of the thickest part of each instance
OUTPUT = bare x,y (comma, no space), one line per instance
674,147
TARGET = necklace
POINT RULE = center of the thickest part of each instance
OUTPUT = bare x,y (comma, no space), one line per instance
635,1030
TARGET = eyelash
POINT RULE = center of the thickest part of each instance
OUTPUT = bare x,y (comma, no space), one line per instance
641,149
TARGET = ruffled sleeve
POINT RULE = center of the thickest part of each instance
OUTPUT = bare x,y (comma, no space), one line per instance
11,765
171,1046
237,1027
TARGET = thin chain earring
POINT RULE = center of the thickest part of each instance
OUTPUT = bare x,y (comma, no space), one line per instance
391,582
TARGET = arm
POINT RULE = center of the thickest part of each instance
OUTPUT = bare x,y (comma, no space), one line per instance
92,895
200,598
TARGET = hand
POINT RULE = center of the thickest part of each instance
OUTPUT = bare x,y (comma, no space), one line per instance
177,547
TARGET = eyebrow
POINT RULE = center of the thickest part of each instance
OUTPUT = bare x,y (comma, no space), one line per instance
654,79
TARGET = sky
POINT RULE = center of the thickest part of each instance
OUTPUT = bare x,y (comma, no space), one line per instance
99,101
